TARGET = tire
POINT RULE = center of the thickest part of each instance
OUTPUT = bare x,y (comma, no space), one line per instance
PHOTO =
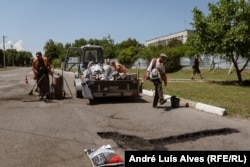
91,101
79,94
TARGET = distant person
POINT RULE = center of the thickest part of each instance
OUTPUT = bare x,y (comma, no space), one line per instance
119,67
196,69
90,57
157,76
41,69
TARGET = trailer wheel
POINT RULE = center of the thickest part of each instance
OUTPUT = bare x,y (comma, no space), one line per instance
91,101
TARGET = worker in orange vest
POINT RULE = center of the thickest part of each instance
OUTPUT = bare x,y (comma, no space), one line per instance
119,67
42,69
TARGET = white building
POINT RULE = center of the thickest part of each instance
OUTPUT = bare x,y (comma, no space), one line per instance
182,36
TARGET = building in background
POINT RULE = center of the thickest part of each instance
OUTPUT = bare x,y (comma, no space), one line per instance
182,36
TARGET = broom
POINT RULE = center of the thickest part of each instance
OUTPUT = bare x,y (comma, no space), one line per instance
31,91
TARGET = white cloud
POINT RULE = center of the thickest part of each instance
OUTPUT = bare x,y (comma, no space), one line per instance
19,45
14,45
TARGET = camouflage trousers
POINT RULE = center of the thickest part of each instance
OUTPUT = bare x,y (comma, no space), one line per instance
158,91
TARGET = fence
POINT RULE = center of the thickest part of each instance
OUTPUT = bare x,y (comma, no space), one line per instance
208,62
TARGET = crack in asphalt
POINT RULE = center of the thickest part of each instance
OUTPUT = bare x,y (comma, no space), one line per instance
132,142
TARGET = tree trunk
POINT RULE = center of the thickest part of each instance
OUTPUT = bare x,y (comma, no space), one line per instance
238,71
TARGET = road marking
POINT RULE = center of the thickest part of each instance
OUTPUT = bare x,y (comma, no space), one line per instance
8,75
9,85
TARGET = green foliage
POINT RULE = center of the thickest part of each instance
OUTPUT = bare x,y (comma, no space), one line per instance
129,42
54,50
145,53
128,55
172,64
108,44
80,42
10,55
23,58
1,58
225,30
216,89
174,43
56,63
126,52
15,58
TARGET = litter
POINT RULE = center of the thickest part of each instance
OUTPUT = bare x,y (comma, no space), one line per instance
104,156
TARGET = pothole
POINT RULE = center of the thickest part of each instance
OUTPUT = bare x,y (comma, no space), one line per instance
132,142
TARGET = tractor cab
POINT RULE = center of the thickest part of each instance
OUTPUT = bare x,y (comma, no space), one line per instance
92,53
79,58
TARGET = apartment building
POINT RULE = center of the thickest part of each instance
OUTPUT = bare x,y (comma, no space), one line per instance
163,40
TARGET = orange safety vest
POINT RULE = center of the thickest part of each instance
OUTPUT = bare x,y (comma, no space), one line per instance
35,66
120,68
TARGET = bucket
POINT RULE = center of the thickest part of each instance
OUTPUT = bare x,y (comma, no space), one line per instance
58,86
175,102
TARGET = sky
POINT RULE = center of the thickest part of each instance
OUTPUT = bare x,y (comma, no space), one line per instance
29,24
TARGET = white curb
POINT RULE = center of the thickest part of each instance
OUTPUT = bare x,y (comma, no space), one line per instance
147,92
196,105
210,109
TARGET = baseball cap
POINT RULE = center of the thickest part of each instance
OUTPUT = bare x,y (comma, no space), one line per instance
163,55
38,54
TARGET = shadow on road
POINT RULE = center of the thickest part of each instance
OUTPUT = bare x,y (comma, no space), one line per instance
116,100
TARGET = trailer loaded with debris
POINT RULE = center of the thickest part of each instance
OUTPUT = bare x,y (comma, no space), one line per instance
95,78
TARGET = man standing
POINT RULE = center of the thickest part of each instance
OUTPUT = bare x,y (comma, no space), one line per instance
196,69
41,69
157,75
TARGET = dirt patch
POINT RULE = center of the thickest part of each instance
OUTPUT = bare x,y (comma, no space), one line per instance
131,142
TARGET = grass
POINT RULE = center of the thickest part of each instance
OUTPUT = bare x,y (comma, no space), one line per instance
220,92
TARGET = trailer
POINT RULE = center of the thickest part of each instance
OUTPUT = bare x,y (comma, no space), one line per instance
95,78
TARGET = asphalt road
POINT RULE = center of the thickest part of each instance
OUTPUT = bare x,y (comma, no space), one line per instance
54,133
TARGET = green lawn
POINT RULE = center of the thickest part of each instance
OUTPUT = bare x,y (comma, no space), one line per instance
233,98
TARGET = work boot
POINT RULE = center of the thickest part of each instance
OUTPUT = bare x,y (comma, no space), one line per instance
48,96
163,101
154,105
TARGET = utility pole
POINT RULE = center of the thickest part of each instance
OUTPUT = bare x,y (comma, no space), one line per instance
4,51
13,54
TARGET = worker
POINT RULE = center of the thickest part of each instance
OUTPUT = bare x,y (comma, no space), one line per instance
157,76
41,69
119,67
90,57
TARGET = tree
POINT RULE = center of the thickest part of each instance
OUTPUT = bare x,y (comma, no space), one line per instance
80,42
127,50
109,47
129,42
23,58
225,30
128,56
174,43
54,52
1,58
